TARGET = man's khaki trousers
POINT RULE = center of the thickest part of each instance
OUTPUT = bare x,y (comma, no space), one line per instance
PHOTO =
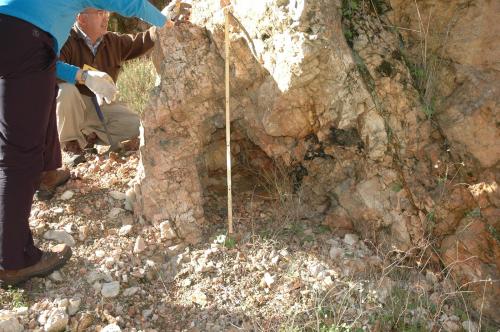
76,117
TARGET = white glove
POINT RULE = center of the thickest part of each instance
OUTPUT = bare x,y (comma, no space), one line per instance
102,85
173,11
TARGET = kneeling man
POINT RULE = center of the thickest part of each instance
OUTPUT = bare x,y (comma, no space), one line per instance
91,44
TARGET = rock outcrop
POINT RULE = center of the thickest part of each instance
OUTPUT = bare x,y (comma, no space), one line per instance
366,147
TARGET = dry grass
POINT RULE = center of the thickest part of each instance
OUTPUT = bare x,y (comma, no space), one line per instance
135,83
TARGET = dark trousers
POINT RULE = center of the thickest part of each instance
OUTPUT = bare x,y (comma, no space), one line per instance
28,133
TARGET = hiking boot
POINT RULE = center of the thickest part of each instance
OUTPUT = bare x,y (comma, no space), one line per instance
50,181
91,140
50,261
72,147
131,144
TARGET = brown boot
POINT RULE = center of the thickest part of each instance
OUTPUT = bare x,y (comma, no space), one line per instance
50,181
91,140
72,147
131,144
50,261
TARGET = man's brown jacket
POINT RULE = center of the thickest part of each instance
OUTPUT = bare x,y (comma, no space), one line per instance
113,50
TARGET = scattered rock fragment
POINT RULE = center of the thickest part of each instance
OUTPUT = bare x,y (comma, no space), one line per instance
351,239
111,328
110,289
125,230
60,237
139,245
9,323
57,321
67,195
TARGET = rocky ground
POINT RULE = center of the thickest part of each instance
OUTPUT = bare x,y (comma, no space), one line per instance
274,274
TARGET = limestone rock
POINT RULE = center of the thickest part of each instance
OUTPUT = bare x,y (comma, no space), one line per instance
67,195
125,230
9,323
57,321
347,119
60,237
110,289
111,328
139,245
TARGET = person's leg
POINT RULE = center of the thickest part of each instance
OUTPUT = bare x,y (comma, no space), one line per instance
53,174
122,123
27,93
70,115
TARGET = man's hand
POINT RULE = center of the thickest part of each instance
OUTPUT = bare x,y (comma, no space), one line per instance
102,85
177,10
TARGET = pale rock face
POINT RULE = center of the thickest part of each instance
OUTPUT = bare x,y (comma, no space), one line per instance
301,86
347,120
465,38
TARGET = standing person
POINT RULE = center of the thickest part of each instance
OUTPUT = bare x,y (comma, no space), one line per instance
31,34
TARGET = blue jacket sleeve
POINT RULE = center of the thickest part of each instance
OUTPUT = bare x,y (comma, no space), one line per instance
66,72
142,9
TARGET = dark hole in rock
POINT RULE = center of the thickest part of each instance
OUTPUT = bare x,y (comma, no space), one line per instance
385,69
346,137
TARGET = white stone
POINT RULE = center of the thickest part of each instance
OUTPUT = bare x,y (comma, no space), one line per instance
125,230
42,318
58,210
21,311
268,279
100,253
67,195
166,231
115,212
60,237
351,239
199,297
68,228
470,326
139,245
57,321
130,291
328,281
56,276
315,270
74,306
110,289
94,276
63,304
119,196
336,253
9,323
111,328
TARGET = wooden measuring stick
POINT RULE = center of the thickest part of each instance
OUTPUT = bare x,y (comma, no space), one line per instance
228,125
